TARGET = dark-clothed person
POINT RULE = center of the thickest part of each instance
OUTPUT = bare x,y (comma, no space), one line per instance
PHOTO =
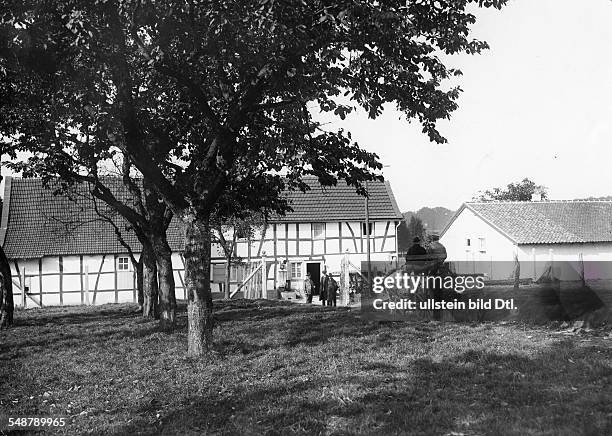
331,290
416,249
308,288
437,250
323,287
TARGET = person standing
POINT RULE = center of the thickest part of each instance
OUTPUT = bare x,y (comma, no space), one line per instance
308,288
416,249
323,287
437,250
332,290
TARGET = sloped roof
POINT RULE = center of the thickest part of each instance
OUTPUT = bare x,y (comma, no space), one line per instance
36,223
546,222
341,202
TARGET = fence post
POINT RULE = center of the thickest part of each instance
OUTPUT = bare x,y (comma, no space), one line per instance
581,266
23,288
552,262
86,283
345,280
264,277
533,257
517,271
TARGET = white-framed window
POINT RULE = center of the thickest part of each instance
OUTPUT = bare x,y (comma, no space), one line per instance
370,229
123,263
237,272
482,244
318,231
296,270
468,242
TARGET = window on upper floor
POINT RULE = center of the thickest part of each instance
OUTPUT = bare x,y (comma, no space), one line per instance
243,232
318,230
365,232
123,263
468,242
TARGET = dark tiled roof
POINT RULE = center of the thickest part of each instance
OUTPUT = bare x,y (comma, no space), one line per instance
36,223
549,222
341,202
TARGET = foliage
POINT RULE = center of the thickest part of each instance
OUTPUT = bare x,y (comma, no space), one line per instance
410,230
217,92
520,191
213,99
433,220
227,231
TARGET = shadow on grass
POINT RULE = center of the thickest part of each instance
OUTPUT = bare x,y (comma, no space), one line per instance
76,315
278,374
258,310
64,328
75,337
475,392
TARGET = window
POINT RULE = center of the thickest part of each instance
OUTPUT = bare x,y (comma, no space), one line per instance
468,242
123,264
370,228
318,230
237,272
296,270
482,244
242,232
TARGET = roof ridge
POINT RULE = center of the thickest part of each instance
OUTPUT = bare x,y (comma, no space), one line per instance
554,221
538,201
34,231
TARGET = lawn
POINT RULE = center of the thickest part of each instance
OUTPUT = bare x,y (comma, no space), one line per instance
280,368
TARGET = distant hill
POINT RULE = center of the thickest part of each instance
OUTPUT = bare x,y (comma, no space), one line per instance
434,219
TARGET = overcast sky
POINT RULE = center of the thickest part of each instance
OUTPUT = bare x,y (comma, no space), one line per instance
538,104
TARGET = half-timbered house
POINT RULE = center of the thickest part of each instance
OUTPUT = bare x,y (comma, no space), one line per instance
63,252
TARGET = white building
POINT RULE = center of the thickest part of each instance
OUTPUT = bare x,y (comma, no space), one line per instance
485,236
64,253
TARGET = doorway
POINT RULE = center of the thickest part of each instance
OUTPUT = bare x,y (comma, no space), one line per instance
315,274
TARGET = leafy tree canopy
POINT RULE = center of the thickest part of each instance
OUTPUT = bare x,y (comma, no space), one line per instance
217,96
408,230
212,100
520,191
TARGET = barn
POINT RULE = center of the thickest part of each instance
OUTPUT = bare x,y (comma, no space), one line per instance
65,251
484,237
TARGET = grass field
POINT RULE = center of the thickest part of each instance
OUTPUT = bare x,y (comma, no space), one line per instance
280,368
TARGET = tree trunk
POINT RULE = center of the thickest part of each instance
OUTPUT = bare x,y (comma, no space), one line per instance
150,308
6,292
139,282
167,298
228,271
197,283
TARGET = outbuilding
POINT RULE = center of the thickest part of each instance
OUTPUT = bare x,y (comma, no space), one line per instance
485,237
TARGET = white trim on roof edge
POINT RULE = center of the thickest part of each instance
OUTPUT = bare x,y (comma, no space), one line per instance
486,221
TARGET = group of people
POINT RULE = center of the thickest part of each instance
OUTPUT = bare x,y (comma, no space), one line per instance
327,289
